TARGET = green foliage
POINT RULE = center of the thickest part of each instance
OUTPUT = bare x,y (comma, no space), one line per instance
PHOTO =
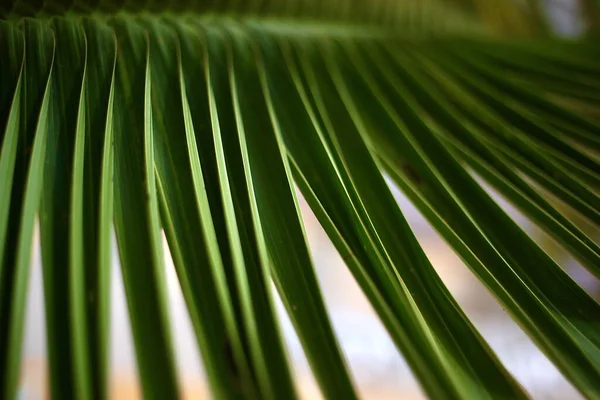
198,118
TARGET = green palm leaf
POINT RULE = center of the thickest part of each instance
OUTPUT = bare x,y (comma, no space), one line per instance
199,118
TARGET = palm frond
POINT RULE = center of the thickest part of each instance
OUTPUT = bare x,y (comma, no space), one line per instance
200,119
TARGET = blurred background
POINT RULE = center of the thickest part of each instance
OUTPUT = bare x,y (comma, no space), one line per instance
378,369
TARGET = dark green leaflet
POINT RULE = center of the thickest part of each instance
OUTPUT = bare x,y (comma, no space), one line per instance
136,205
515,269
34,125
63,163
185,211
451,126
280,220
